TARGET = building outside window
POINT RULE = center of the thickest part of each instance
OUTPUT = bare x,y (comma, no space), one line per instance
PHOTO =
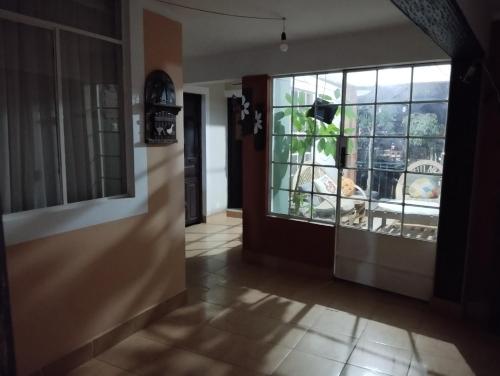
392,122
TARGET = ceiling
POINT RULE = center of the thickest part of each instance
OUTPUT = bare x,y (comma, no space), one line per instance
494,8
209,34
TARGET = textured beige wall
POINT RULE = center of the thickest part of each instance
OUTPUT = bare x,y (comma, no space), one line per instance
70,288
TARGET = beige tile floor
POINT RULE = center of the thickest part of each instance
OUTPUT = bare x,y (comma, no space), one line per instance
247,320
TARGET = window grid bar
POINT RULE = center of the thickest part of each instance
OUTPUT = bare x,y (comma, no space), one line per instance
434,101
303,219
349,137
314,147
290,148
407,154
60,116
370,162
33,21
362,69
340,173
407,136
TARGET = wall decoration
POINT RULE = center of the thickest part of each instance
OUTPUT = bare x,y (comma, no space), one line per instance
258,129
160,109
247,112
323,111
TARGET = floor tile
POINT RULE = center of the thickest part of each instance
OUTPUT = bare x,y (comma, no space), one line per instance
206,280
293,311
350,370
223,295
337,346
244,320
96,367
254,355
181,324
133,352
208,341
205,228
434,346
400,316
427,364
244,323
178,362
333,321
380,358
302,364
389,335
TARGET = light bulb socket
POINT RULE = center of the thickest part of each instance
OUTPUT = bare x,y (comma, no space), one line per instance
283,36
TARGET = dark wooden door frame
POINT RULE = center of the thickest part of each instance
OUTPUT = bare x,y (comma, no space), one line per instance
444,22
7,358
234,158
199,171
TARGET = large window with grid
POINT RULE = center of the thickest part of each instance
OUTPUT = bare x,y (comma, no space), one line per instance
392,122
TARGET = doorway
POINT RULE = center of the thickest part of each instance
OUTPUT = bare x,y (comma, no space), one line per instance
390,157
234,159
192,158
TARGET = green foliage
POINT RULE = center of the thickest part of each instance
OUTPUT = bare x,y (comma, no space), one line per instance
391,120
281,150
306,128
299,202
425,124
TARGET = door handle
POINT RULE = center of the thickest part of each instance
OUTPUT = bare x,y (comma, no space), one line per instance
343,156
343,152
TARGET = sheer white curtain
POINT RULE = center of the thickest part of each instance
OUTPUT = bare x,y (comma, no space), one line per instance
91,71
29,160
91,101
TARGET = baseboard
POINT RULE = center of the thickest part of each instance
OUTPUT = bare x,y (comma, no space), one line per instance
234,213
286,265
446,307
111,337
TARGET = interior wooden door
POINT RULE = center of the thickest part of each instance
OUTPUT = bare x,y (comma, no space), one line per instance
234,159
192,158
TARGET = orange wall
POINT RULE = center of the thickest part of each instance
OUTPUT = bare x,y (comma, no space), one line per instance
69,288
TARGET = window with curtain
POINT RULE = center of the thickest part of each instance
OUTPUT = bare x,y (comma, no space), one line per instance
61,103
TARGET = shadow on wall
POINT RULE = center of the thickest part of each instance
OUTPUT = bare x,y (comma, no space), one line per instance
79,286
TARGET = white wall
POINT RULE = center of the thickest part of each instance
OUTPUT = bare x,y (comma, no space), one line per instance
216,149
214,157
402,44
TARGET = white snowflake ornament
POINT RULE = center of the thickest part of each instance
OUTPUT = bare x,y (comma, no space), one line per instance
258,122
244,107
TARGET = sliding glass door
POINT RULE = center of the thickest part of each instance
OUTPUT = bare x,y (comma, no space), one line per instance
393,131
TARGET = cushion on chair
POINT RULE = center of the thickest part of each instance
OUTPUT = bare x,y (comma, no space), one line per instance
348,187
423,188
325,184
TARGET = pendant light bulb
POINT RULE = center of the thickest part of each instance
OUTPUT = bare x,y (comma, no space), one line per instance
283,44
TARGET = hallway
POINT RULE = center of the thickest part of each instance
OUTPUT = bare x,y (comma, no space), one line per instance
248,320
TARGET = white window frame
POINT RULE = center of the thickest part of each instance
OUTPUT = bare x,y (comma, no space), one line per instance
342,105
43,222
